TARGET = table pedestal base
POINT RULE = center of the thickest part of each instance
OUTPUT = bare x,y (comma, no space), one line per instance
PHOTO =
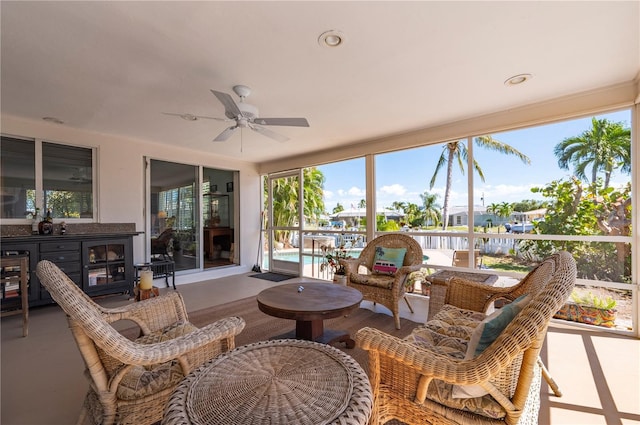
314,331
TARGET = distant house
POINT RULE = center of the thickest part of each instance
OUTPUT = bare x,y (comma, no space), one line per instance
353,216
459,216
526,216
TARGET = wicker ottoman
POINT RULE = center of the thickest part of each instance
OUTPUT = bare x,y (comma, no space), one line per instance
274,382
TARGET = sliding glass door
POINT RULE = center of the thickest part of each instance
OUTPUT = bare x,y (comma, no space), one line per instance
283,224
174,213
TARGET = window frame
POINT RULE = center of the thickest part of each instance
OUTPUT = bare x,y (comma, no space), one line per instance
39,183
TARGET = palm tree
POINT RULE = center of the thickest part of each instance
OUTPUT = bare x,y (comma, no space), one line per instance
458,151
494,209
431,207
505,209
313,188
285,199
413,214
398,206
605,147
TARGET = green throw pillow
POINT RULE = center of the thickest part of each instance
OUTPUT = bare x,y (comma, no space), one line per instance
483,335
388,260
493,325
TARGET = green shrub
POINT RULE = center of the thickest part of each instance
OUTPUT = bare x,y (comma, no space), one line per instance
591,300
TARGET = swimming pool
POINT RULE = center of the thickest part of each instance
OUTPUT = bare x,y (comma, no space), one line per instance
308,259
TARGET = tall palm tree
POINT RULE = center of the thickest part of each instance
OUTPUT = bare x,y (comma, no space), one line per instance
606,146
313,193
285,199
457,151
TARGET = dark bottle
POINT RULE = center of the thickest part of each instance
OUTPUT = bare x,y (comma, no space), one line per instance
45,227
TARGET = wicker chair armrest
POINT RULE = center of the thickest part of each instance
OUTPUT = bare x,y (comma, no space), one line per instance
152,314
471,295
437,295
351,265
404,270
425,362
131,353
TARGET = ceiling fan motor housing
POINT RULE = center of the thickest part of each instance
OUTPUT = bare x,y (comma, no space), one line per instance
250,112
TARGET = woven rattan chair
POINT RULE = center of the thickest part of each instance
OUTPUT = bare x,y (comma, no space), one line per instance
387,290
461,258
131,380
404,374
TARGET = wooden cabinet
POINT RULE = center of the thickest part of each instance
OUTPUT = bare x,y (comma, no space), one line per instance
216,240
98,264
107,266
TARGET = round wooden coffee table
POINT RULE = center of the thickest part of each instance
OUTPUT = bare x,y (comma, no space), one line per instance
309,304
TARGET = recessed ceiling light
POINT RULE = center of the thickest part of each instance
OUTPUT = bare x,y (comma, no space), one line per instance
53,120
517,79
331,38
189,117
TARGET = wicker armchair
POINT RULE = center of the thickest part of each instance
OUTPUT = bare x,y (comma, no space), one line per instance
461,258
131,381
409,378
384,289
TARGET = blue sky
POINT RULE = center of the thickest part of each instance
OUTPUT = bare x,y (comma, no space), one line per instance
403,176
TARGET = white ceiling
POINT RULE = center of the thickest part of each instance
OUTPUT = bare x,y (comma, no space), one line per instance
115,67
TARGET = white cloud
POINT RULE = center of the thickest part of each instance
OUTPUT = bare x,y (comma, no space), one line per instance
394,189
356,191
507,193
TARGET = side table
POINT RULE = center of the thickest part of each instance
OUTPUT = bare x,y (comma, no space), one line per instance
286,381
145,294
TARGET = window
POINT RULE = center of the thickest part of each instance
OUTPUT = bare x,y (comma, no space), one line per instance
67,177
514,197
18,177
66,183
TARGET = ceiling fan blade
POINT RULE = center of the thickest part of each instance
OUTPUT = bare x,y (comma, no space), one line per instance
292,122
225,134
268,133
191,117
231,110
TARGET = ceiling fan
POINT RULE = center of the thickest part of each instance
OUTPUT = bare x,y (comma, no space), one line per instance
245,115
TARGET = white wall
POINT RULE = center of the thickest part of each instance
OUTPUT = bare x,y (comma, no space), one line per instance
121,183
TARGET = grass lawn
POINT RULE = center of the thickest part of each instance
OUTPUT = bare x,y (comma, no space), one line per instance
505,263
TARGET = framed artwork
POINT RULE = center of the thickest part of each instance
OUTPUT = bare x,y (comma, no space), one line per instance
214,187
230,187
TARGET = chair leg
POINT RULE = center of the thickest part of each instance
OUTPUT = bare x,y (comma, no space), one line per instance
407,301
547,377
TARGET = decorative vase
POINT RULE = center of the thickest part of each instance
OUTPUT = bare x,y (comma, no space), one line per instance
340,279
45,228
